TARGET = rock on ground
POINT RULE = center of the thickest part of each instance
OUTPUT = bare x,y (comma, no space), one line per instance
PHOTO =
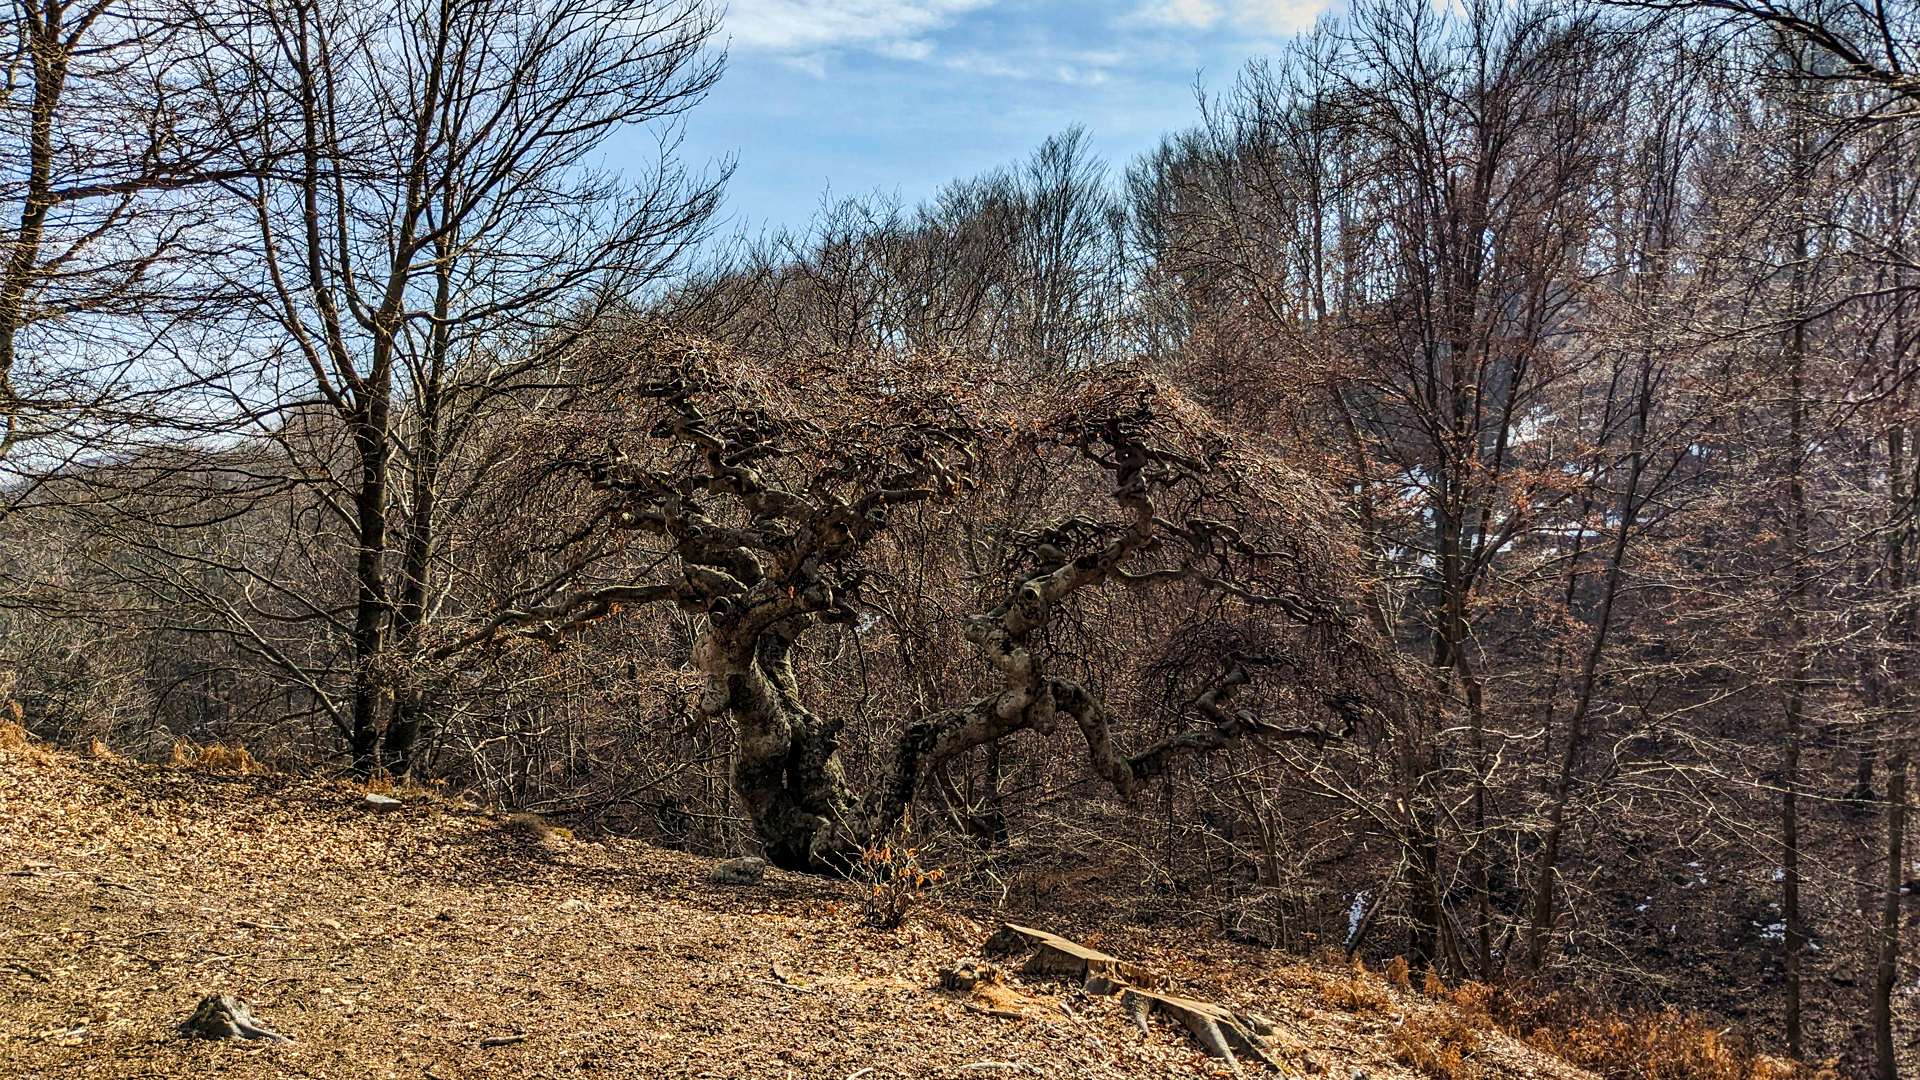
748,870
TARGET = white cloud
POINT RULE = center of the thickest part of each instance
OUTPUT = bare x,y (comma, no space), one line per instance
793,26
1276,16
1075,67
909,49
1190,12
814,64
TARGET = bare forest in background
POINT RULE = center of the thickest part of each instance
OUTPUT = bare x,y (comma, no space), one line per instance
1457,500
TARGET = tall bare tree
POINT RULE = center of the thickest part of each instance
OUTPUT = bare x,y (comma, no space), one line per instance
107,128
432,238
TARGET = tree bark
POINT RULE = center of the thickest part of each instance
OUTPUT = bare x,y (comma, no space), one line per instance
1887,960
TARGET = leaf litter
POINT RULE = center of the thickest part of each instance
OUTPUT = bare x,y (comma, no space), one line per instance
437,942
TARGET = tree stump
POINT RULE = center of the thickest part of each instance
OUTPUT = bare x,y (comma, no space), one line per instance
1054,957
223,1016
1218,1032
966,973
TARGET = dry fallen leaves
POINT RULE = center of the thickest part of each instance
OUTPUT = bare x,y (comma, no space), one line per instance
412,943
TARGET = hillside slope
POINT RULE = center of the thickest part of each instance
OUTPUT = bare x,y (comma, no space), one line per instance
391,945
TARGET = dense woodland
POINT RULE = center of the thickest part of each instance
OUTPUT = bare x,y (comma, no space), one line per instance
1455,500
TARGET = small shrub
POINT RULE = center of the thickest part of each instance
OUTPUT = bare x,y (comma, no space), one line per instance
892,881
1438,1043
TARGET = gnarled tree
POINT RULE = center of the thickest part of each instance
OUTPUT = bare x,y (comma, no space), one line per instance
758,505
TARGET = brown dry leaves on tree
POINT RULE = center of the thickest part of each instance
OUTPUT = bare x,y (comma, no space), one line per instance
760,501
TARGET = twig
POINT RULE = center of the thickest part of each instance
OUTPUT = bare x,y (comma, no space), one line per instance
501,1040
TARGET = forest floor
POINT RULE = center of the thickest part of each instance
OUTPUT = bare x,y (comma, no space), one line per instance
393,944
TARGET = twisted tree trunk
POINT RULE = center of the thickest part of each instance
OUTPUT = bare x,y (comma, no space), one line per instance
761,586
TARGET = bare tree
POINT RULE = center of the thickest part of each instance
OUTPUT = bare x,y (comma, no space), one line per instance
768,506
106,132
431,241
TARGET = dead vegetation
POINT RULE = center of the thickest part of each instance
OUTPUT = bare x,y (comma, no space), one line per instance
212,758
1438,1043
416,941
535,828
892,881
1354,988
1662,1044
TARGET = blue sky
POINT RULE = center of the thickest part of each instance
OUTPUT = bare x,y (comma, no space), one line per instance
903,95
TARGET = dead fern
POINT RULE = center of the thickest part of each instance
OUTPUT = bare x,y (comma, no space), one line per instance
1357,991
1439,1043
1399,974
216,758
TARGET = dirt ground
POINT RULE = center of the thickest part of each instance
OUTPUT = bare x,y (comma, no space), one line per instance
392,945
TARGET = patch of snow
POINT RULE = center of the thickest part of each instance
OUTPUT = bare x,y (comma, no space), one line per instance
1356,913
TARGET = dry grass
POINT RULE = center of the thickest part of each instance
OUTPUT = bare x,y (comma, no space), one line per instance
395,943
14,737
1665,1045
17,744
